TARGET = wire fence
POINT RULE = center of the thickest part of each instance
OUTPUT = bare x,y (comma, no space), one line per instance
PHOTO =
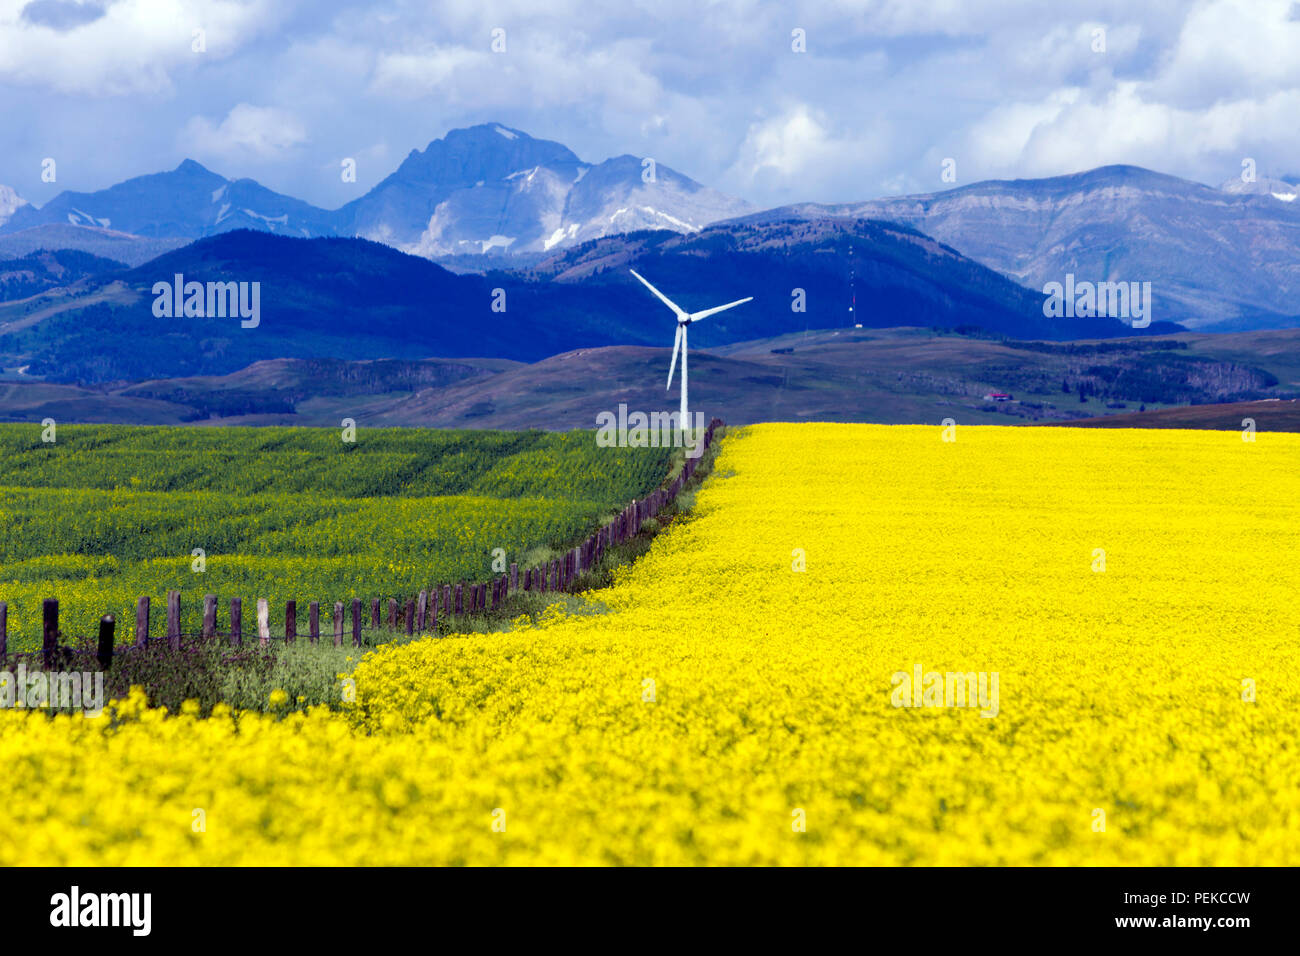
355,622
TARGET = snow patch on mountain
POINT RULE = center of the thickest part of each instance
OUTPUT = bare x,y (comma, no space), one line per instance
272,221
506,133
560,235
9,202
79,217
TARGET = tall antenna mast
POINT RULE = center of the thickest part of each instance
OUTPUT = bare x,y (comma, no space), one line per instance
853,286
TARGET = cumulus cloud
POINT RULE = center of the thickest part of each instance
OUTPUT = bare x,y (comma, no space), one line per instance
886,90
120,48
258,131
1227,86
796,152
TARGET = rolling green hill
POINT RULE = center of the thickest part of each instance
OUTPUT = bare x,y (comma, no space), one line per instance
898,376
106,514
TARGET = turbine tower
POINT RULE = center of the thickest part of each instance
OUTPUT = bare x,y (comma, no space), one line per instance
684,319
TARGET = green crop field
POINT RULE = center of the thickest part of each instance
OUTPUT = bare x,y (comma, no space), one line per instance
106,514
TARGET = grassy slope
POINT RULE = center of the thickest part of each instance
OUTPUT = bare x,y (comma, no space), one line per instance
107,514
892,376
1268,416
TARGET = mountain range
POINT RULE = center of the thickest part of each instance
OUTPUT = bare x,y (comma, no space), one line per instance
353,298
494,244
1211,255
493,197
482,189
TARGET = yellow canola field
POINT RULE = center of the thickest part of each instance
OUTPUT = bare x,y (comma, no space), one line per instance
1133,592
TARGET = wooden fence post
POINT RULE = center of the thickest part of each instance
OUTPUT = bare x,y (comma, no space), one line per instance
460,600
313,621
263,621
236,621
290,621
107,624
338,623
431,622
174,620
50,630
421,610
356,622
4,628
392,614
209,615
514,577
410,616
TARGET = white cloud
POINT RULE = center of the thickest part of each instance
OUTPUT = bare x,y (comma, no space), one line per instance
887,89
257,131
1227,87
795,152
1000,139
134,47
1229,49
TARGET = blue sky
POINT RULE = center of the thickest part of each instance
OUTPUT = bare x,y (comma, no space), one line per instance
885,92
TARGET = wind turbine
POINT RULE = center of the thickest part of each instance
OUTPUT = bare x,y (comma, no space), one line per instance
684,319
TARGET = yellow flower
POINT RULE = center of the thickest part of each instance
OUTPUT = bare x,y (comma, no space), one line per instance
738,700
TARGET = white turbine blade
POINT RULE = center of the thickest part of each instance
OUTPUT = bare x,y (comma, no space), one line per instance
696,316
677,347
662,298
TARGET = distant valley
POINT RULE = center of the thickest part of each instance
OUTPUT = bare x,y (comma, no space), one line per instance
898,376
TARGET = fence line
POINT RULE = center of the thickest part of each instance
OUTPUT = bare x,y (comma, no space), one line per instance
414,613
